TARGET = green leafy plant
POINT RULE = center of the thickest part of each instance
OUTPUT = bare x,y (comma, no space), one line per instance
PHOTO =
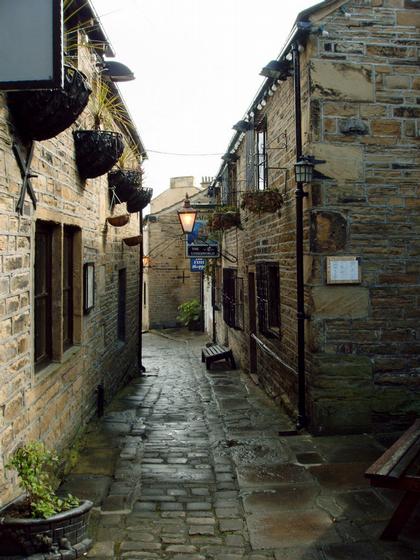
190,312
269,200
106,109
224,217
33,463
130,158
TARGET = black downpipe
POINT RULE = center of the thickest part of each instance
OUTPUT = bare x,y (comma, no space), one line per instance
213,303
140,365
100,400
300,194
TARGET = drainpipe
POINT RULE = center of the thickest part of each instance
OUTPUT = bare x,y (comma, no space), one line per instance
140,365
300,296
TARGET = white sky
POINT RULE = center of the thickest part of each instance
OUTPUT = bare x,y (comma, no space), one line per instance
197,65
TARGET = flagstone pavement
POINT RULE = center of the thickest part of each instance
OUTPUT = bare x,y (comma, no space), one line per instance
189,464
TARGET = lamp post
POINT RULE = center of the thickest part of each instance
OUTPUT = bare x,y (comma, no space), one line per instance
140,365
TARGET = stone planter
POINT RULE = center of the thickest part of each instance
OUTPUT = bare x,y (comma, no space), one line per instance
224,220
97,151
118,221
124,182
56,535
40,115
259,202
139,199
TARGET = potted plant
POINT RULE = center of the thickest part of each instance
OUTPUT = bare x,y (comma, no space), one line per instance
118,221
191,315
40,115
127,176
139,199
41,521
132,241
224,218
98,148
269,200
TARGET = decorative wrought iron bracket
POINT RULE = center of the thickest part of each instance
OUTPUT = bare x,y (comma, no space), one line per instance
25,171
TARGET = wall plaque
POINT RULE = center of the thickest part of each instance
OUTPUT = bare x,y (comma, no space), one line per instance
343,270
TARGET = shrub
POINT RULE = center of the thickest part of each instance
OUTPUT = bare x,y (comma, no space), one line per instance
33,463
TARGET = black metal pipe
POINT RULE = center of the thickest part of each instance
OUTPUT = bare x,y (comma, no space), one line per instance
300,296
140,365
213,303
100,399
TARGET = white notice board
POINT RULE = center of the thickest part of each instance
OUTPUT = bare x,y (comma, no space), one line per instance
343,270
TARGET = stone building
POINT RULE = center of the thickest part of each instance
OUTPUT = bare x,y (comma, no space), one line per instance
168,278
345,90
58,344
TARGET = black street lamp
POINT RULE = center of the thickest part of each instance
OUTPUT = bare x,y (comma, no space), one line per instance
304,170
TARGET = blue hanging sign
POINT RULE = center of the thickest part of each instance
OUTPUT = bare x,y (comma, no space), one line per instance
199,245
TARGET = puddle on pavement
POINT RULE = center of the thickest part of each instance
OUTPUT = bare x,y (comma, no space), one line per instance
249,452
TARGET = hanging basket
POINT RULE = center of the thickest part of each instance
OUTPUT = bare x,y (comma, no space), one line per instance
224,220
40,115
118,221
132,241
97,151
139,199
259,202
124,182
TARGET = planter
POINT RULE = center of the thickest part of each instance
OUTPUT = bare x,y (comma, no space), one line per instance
97,151
224,220
26,536
118,221
124,182
139,199
262,201
132,241
40,115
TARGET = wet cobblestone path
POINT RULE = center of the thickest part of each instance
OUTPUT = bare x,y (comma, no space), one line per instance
193,465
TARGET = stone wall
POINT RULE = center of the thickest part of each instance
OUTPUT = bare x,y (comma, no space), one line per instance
54,403
361,115
364,103
168,280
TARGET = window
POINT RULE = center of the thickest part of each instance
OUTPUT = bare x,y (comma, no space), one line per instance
67,287
43,292
268,298
232,298
122,288
261,162
228,185
57,291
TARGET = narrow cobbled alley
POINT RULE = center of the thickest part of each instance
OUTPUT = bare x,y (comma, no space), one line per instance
191,465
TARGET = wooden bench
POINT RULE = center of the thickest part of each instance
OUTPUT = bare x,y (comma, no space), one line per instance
215,353
399,468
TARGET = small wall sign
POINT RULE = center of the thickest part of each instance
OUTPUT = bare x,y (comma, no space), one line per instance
197,265
343,270
88,286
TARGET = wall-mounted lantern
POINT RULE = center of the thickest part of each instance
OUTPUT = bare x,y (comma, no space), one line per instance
187,216
304,170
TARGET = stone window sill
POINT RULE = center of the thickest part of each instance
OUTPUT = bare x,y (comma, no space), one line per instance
52,368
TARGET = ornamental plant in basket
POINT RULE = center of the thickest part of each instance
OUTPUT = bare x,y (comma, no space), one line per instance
33,464
40,521
224,218
269,200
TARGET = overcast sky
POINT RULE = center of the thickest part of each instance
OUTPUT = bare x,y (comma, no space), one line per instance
197,65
